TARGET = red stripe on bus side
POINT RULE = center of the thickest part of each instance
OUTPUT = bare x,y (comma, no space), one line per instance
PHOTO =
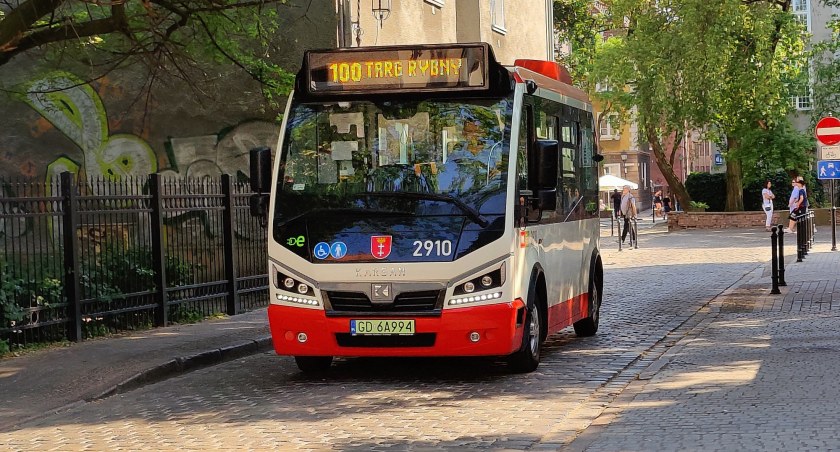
567,312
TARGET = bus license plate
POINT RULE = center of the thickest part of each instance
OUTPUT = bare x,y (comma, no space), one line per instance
382,327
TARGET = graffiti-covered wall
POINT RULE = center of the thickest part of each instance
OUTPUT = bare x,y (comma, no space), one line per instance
57,119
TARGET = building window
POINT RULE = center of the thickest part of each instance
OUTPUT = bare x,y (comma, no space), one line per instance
609,127
497,16
801,13
438,3
612,168
601,87
802,102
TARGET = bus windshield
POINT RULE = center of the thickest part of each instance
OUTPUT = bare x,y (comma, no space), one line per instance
403,165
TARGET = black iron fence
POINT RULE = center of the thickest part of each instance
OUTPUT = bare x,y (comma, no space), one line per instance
85,258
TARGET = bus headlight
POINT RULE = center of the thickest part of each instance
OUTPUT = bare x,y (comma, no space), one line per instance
489,280
484,284
289,284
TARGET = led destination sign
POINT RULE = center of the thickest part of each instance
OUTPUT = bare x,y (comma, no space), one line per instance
400,69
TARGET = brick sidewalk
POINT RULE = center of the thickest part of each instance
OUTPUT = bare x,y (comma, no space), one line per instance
758,372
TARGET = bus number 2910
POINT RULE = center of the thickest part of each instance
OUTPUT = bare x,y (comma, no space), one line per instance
430,247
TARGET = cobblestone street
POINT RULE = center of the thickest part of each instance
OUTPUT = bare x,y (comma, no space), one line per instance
655,295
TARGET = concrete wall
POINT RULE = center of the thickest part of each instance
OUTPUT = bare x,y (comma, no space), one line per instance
110,128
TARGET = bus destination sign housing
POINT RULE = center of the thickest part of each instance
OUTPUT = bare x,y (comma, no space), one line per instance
429,68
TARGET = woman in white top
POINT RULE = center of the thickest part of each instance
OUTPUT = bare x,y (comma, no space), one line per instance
767,197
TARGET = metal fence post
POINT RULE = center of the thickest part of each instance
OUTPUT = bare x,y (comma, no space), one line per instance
72,266
232,298
158,249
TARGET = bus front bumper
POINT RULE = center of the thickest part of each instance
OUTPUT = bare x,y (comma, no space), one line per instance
309,332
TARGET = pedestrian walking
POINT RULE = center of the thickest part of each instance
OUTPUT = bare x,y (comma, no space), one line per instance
616,199
628,210
666,206
767,198
657,203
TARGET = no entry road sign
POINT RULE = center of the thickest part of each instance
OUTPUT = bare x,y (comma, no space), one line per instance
828,130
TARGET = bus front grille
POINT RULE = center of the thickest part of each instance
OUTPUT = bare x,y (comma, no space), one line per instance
421,301
416,340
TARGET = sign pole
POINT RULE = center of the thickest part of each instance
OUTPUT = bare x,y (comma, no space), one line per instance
833,220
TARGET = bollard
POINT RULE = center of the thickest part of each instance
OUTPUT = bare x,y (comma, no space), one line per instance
801,247
635,232
620,227
800,239
781,242
774,261
813,229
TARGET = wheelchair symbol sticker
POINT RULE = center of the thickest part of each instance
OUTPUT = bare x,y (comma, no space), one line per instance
322,250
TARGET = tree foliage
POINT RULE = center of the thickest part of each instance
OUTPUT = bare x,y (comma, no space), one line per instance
726,67
169,38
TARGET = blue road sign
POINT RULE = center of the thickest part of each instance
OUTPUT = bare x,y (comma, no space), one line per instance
718,159
828,169
322,250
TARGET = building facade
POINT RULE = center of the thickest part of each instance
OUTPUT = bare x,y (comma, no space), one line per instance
514,28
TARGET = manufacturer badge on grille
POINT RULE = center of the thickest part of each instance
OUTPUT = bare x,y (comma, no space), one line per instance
381,292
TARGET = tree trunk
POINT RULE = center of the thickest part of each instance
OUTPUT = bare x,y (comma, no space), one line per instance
677,187
734,188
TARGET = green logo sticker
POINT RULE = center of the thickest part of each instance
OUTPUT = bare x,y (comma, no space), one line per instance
296,241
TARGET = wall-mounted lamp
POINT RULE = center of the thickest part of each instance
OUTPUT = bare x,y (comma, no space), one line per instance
381,10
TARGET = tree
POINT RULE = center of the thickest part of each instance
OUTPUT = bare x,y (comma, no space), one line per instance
765,56
169,38
717,65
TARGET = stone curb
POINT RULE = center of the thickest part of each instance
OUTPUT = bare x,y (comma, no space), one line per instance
186,364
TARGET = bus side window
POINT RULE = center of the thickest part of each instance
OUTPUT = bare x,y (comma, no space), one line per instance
522,148
569,178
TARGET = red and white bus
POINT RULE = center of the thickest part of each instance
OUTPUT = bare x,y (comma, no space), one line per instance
428,201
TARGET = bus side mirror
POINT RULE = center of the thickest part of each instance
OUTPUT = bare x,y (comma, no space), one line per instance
260,160
547,159
260,175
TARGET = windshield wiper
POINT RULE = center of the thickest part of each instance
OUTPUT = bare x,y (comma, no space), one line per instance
343,210
471,212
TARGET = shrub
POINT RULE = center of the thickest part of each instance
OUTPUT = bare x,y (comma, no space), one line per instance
709,189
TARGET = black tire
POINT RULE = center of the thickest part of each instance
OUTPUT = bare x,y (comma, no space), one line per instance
314,364
589,326
527,358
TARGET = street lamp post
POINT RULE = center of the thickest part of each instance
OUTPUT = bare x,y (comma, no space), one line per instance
624,163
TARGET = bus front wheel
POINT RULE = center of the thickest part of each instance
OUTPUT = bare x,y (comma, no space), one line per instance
313,364
527,358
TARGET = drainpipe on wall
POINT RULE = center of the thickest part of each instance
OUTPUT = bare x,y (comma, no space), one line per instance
340,38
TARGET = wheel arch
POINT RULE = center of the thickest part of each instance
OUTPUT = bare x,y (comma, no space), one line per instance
538,290
596,272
